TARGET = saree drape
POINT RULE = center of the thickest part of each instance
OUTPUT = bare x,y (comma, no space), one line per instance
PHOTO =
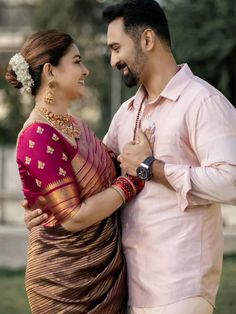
81,272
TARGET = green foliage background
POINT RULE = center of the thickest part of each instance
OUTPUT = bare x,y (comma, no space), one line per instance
203,35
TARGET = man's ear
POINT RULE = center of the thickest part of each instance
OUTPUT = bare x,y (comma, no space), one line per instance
148,39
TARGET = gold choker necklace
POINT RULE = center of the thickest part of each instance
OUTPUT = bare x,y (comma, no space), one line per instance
59,121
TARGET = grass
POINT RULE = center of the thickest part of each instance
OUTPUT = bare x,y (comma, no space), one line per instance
12,292
14,301
226,298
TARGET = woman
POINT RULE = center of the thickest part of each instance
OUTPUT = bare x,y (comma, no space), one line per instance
75,263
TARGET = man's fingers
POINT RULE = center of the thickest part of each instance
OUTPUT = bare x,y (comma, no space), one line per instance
34,217
36,221
140,137
149,134
31,214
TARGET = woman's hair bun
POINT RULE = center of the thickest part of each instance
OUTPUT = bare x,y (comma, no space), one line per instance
12,78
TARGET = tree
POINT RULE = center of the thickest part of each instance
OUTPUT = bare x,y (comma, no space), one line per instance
203,34
11,125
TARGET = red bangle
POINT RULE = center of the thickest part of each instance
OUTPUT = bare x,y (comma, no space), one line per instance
125,185
130,185
138,183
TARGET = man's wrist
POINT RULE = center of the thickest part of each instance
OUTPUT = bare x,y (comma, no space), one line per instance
144,170
158,171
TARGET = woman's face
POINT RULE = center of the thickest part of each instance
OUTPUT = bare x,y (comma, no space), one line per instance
70,75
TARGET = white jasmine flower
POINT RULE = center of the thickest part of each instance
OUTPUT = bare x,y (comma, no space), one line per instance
21,68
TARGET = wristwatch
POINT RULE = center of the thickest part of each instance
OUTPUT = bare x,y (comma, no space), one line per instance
144,170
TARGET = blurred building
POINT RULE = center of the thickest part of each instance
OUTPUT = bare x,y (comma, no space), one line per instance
14,25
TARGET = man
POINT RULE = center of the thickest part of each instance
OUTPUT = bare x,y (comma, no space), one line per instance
172,231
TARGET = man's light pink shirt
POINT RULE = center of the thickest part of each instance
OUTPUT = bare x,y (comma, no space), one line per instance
173,239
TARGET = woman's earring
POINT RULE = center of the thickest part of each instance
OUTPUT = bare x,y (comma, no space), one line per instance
49,98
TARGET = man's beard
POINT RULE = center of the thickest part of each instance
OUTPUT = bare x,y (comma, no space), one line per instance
132,78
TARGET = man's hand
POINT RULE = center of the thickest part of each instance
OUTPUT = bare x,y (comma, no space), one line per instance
135,152
34,217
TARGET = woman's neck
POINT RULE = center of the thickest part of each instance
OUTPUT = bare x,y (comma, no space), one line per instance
58,106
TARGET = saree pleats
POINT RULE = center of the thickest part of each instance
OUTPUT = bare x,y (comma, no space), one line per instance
81,282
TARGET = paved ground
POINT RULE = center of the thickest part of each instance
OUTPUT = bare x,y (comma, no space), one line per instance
13,245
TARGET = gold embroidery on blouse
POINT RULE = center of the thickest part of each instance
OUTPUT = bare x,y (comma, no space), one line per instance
50,150
62,172
55,137
40,130
64,157
41,164
31,144
38,182
27,160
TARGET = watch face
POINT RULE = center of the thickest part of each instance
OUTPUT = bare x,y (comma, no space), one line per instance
142,173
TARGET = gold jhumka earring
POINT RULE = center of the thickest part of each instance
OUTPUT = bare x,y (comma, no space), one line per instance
49,98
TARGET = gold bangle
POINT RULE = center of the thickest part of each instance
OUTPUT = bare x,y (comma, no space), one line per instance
119,192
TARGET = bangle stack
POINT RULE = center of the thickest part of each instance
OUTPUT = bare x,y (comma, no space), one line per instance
129,185
137,182
120,192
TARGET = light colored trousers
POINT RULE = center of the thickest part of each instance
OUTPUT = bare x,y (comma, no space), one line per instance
196,305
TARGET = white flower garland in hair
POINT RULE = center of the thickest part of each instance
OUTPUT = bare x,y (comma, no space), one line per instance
21,67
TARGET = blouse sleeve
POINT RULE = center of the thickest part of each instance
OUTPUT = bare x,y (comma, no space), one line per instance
44,161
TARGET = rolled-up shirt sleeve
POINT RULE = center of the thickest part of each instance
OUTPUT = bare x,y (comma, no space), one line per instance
212,134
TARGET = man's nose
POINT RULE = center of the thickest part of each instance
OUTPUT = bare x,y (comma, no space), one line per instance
114,59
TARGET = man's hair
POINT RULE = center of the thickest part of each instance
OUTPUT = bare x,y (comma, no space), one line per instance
138,15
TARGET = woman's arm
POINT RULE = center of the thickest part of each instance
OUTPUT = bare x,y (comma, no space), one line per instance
103,204
93,210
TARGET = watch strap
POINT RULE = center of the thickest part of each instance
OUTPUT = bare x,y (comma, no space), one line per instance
148,162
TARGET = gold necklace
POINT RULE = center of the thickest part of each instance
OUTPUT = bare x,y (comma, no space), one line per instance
62,122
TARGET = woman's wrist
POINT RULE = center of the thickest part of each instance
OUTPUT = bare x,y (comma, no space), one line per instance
120,192
128,185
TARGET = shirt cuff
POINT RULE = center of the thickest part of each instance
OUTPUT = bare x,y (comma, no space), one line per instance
179,178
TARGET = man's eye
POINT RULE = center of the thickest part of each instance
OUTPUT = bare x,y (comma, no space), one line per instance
78,61
116,49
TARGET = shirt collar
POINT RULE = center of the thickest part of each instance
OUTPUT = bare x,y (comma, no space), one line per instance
173,89
178,83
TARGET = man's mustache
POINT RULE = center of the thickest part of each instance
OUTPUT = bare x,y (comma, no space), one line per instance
120,66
